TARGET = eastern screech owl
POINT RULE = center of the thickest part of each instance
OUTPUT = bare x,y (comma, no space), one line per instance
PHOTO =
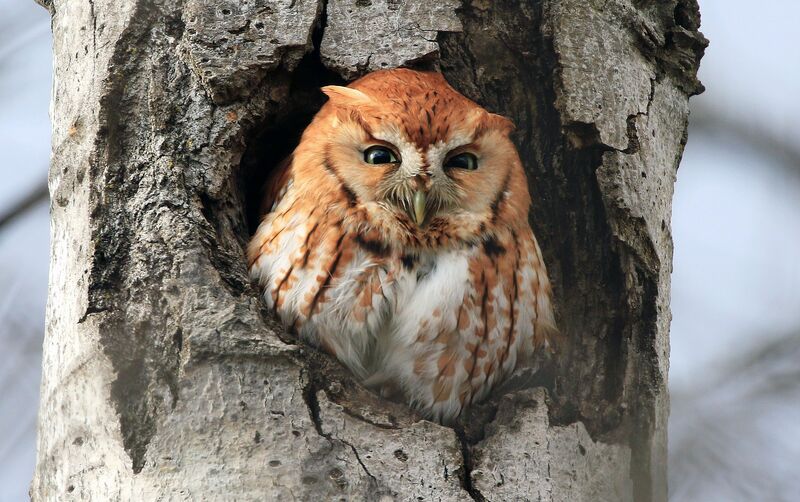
397,240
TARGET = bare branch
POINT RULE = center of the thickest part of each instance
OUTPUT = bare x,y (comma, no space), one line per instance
38,194
711,119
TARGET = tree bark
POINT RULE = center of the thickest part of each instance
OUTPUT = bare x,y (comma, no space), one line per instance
164,376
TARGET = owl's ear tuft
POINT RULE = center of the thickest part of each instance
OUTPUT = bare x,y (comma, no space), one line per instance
346,96
504,124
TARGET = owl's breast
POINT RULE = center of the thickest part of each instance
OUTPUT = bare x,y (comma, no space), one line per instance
355,298
443,326
374,311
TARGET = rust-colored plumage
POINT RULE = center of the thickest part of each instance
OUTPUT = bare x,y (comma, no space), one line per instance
397,239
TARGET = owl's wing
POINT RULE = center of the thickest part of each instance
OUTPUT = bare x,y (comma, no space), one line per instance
276,185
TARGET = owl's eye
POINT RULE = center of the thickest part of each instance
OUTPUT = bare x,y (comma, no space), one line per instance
379,155
464,160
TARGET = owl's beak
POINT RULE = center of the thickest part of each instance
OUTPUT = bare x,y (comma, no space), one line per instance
420,204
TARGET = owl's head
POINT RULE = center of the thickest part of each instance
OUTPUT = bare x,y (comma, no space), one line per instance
425,163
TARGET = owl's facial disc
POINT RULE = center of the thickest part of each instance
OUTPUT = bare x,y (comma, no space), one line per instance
420,182
433,178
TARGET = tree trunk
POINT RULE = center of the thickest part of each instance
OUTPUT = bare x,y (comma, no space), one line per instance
164,376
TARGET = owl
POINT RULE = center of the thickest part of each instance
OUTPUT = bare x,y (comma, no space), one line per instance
397,240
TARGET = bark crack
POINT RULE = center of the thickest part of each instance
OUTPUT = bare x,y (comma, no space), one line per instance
633,133
310,397
466,472
358,457
312,402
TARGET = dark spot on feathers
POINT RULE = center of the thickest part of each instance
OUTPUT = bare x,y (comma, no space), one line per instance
499,198
352,200
493,248
375,247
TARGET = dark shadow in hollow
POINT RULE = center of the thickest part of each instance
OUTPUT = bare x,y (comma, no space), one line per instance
270,143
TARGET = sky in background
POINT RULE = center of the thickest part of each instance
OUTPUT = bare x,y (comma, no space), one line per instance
734,432
25,73
736,213
736,278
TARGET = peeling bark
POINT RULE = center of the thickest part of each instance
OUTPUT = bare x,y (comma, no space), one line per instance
164,376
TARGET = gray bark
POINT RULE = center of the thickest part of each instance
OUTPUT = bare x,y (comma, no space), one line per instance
164,376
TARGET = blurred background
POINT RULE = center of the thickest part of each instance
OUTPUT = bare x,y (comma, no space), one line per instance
735,362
